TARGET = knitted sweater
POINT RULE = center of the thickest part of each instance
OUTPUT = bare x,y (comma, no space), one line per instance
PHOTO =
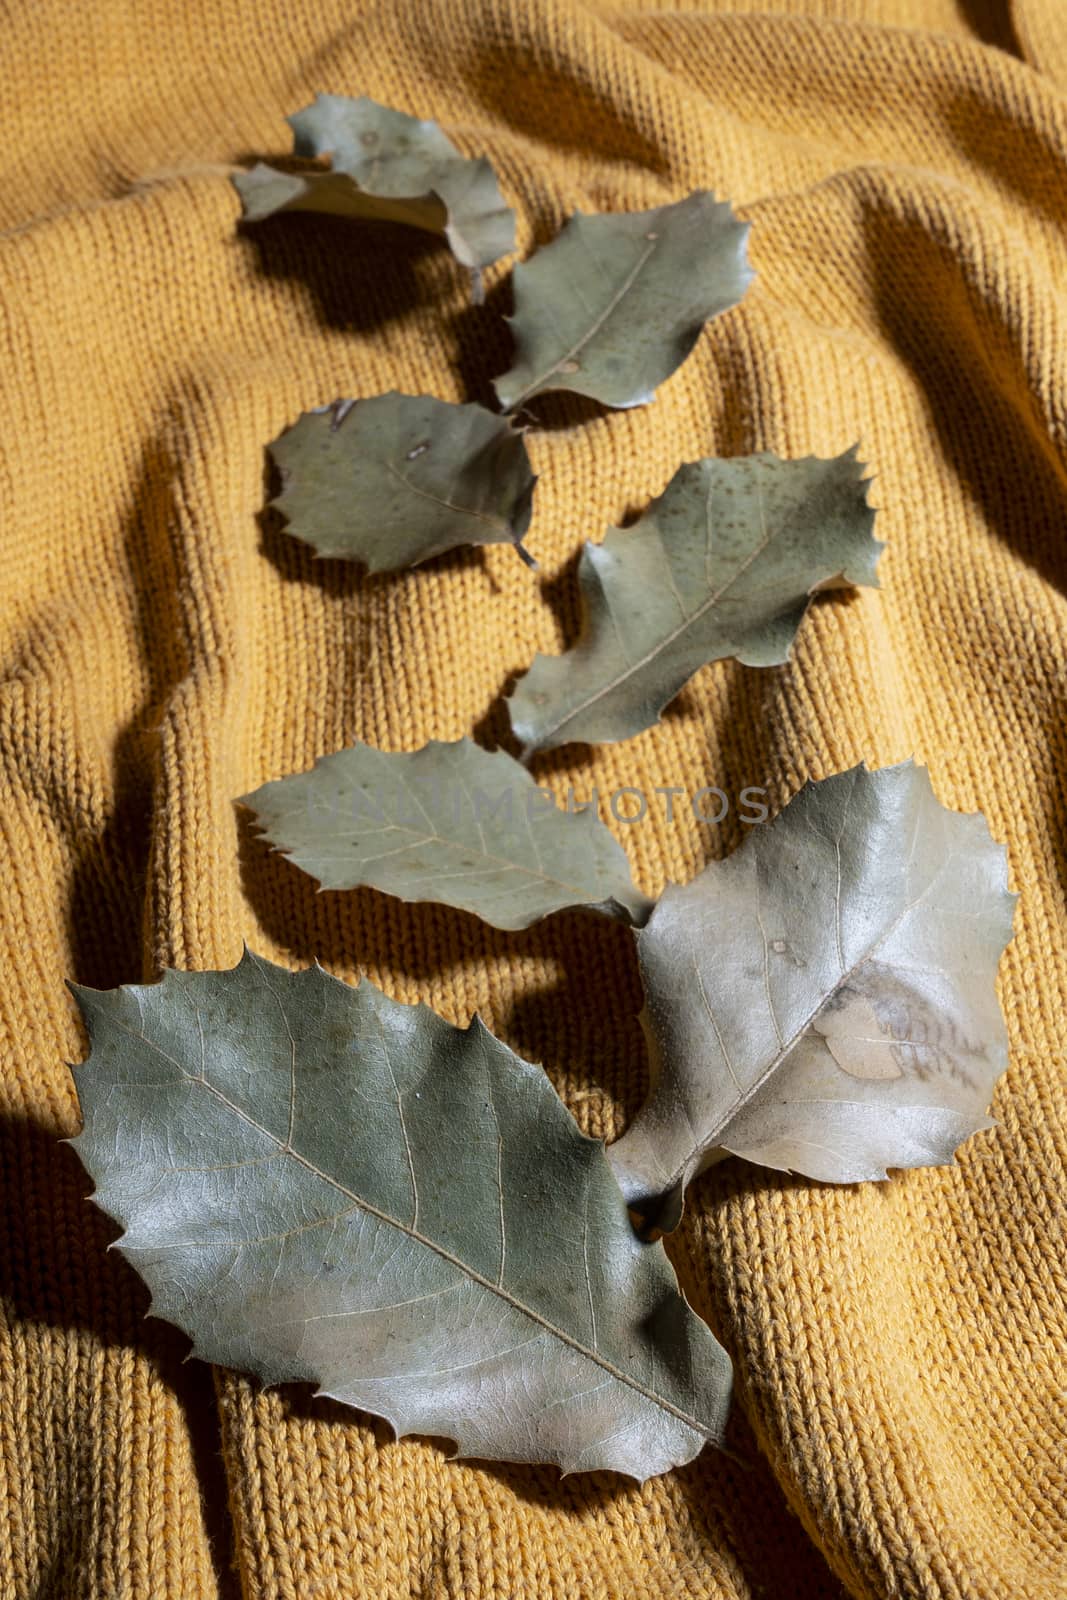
899,1425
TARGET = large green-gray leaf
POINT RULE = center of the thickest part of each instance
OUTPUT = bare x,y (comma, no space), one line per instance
824,1001
722,564
320,1184
615,303
386,166
397,479
451,823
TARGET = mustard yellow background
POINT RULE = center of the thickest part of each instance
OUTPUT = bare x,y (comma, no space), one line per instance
900,1349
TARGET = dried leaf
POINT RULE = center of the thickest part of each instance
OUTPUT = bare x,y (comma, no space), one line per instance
397,479
722,564
615,303
388,167
824,1002
450,823
320,1184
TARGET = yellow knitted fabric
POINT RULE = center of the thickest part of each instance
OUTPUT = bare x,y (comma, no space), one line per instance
900,1348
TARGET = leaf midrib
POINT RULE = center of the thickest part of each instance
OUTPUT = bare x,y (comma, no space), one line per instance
665,643
433,838
591,332
498,524
286,1149
710,1141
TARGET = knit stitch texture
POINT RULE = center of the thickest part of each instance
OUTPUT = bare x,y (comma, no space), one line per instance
900,1348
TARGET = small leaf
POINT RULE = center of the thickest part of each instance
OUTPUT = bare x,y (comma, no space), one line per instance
397,479
319,1184
824,1001
450,823
722,564
389,167
615,303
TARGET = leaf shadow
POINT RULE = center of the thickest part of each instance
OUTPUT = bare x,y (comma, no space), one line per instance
598,1058
562,595
493,732
992,23
493,728
717,1491
561,411
59,1277
339,264
109,871
483,343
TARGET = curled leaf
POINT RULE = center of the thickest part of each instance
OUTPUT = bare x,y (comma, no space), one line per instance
824,1001
616,302
451,823
322,1185
397,479
388,167
722,564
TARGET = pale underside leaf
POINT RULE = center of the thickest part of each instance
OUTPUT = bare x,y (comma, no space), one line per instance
320,1184
397,479
388,167
616,302
824,1001
722,564
451,823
